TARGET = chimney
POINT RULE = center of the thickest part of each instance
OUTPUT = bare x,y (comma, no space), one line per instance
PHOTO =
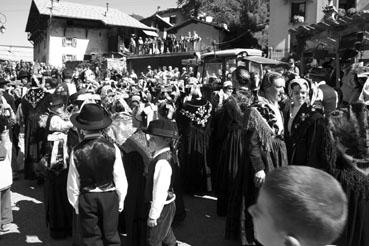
107,9
158,9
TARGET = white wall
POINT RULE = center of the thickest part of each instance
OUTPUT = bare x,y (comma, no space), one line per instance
280,16
96,41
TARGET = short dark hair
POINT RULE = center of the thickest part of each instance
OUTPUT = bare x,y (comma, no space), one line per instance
310,203
268,80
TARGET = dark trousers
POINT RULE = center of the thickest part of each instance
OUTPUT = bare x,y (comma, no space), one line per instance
163,233
98,213
6,214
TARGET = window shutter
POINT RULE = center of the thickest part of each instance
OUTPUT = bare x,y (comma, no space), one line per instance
74,42
63,58
63,42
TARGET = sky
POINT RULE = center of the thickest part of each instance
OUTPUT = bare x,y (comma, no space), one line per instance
16,12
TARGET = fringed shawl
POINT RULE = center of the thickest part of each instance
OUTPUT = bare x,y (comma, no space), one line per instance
258,123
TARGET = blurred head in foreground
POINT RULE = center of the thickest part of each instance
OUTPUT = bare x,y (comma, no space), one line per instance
299,206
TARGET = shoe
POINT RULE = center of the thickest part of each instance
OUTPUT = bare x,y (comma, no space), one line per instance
4,228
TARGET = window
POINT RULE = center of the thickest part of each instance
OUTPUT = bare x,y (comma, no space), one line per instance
69,42
298,9
68,57
347,4
173,19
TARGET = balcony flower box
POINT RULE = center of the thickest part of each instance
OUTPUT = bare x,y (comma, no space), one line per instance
298,19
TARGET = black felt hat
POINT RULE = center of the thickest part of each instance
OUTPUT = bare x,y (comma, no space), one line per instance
91,117
3,82
162,128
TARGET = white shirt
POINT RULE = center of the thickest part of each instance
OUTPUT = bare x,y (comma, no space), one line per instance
161,184
119,175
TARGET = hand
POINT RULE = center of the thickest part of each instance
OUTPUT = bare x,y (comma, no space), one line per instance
120,207
151,222
259,178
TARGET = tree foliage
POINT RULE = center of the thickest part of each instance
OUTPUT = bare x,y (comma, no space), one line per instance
241,16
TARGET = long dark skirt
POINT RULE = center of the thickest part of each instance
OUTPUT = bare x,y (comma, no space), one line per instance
58,210
244,192
228,162
195,171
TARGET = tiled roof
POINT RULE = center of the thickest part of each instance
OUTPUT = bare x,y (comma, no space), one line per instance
113,17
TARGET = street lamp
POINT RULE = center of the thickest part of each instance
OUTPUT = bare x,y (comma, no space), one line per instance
2,22
2,29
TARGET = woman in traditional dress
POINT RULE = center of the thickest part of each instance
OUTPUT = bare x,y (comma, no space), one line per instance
306,129
350,131
33,105
59,213
265,151
228,137
193,120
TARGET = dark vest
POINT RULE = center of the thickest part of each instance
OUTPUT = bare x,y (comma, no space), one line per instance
149,186
94,159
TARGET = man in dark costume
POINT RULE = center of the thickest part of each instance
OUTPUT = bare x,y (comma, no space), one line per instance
97,183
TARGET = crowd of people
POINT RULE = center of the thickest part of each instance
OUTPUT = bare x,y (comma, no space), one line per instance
168,44
117,152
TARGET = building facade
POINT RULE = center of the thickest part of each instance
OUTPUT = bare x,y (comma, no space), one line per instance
289,14
65,31
208,33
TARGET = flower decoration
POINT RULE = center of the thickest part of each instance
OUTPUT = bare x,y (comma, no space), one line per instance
200,116
298,19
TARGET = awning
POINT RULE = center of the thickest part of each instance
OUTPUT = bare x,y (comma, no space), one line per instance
150,33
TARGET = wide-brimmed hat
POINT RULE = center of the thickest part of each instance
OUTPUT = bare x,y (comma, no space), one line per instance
3,81
162,128
91,117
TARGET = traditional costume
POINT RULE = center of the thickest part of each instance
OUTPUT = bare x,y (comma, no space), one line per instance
349,128
159,186
58,210
265,151
97,183
34,104
193,121
306,133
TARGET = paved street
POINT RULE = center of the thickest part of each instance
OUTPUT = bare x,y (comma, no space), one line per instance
201,228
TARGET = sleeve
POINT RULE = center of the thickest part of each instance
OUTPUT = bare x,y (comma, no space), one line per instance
73,184
162,177
120,178
60,125
255,154
316,145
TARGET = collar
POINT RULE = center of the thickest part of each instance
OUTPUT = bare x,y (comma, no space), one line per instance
266,101
92,135
161,151
321,83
